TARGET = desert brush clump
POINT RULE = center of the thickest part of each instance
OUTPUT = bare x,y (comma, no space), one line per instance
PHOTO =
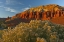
35,31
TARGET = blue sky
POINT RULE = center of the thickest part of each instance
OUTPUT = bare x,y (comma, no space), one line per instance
12,7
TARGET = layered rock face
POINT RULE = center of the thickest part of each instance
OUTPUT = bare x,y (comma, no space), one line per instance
46,12
41,12
46,15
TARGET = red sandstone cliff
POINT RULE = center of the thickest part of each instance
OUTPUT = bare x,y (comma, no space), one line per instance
47,12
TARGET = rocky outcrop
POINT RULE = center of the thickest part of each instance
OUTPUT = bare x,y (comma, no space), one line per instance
46,12
46,15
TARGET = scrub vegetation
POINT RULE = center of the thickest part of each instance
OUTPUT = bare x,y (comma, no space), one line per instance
35,31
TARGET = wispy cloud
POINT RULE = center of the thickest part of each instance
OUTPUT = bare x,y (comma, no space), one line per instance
29,5
13,2
24,9
8,1
20,3
10,9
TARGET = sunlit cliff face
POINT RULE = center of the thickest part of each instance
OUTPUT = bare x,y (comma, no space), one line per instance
47,12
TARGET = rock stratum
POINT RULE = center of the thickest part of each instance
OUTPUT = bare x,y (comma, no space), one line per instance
52,12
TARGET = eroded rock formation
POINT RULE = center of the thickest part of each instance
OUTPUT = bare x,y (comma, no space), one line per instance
46,12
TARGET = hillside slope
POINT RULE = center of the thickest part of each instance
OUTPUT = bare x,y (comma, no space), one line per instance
59,20
44,12
35,31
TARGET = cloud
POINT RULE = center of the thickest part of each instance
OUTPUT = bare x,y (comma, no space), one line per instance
13,2
10,9
8,1
20,3
29,5
24,9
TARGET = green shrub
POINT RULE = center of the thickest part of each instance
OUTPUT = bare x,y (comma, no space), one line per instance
29,32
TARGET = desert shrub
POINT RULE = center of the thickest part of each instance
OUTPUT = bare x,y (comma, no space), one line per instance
3,25
40,40
29,32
